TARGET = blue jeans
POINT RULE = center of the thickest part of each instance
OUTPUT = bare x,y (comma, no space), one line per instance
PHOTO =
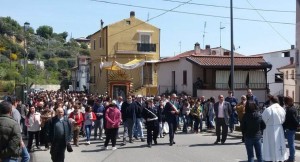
88,129
185,119
138,132
256,143
25,155
10,160
290,136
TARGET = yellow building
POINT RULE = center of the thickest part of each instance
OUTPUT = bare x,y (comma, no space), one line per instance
123,56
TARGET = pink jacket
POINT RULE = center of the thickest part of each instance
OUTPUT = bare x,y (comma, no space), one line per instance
113,117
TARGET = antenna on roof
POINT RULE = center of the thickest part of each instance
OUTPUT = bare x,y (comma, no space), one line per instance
148,16
179,46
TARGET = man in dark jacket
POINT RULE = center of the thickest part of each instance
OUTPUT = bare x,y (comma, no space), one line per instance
290,126
10,134
59,134
150,114
222,111
171,113
128,111
138,131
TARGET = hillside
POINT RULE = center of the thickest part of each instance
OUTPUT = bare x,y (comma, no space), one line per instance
42,44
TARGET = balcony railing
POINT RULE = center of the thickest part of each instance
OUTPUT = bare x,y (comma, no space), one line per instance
146,47
123,47
236,86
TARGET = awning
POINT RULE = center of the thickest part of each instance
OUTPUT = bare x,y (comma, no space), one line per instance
151,61
118,66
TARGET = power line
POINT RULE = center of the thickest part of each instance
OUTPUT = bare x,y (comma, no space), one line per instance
269,23
191,13
148,19
240,8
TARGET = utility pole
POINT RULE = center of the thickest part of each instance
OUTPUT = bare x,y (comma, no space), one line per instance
221,27
204,34
232,46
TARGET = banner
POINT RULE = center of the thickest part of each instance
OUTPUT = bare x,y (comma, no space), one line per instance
118,66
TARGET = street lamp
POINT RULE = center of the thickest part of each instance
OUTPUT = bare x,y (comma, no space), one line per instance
26,27
231,50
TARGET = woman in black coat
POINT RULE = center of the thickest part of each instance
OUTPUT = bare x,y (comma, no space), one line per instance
252,128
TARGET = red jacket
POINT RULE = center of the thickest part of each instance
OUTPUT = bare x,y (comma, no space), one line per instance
78,118
113,117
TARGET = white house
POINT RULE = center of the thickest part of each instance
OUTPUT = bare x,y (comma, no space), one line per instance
277,59
289,80
80,74
200,73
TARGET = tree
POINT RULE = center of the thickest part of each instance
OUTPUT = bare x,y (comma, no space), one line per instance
64,84
45,31
13,57
84,52
71,63
64,35
47,55
50,65
32,53
62,64
83,46
63,53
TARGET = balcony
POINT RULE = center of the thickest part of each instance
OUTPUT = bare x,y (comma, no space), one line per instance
135,48
146,47
222,86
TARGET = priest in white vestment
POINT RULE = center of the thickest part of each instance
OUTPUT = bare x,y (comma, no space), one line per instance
274,148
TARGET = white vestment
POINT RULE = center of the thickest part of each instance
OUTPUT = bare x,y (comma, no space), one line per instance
274,148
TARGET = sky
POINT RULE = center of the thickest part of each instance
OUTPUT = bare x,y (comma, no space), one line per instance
179,32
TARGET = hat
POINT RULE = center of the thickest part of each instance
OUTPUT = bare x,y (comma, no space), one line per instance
114,102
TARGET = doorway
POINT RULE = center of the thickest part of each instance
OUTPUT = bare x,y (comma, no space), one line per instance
119,90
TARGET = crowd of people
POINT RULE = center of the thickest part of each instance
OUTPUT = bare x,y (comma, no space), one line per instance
58,118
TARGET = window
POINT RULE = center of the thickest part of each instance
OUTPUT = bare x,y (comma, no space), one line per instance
94,44
287,92
293,74
287,74
145,38
100,42
184,77
173,80
128,22
293,95
286,54
278,78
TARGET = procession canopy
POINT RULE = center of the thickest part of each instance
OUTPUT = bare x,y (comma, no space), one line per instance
114,65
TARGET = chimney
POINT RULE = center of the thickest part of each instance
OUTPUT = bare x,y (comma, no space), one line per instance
197,48
207,46
292,46
132,14
291,60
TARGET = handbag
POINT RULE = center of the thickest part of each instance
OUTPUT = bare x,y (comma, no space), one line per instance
69,147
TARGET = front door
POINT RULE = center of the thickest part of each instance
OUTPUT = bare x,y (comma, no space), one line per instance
119,90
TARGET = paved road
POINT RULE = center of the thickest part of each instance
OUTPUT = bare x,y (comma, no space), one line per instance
188,147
